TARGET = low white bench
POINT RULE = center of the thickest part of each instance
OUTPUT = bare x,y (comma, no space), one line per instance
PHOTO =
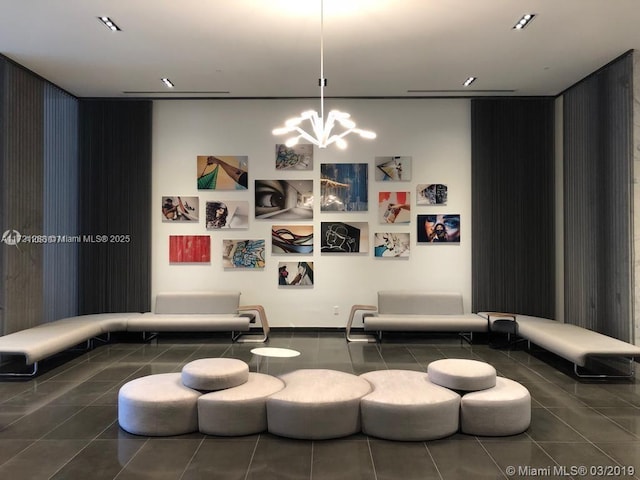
177,312
569,341
414,310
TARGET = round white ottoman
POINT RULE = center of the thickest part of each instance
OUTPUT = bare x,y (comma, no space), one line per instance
239,410
502,410
317,404
210,374
405,405
462,374
158,405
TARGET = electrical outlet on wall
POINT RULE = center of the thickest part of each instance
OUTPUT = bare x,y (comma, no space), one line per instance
336,310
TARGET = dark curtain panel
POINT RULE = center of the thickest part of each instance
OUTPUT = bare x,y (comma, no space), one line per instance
513,250
598,162
115,196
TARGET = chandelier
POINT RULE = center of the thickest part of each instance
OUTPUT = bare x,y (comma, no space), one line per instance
322,132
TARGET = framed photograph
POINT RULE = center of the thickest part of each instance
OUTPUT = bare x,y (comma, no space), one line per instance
439,228
394,207
393,169
220,172
295,274
298,157
431,194
292,239
344,187
189,249
243,253
284,199
391,245
180,209
343,237
227,214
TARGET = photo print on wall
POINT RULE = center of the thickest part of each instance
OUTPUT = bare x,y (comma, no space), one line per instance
227,214
284,199
298,274
219,172
292,239
344,187
438,228
391,245
393,169
298,157
189,249
180,209
243,253
394,207
341,237
431,194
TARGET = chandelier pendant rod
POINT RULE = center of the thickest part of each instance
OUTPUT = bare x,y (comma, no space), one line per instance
322,79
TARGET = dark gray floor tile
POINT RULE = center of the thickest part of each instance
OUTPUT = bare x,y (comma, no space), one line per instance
457,458
523,459
342,459
595,395
224,459
277,458
551,395
160,459
38,423
627,417
593,425
627,454
545,426
41,460
100,460
10,448
581,458
86,424
405,460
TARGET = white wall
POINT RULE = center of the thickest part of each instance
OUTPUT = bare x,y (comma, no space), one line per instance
436,133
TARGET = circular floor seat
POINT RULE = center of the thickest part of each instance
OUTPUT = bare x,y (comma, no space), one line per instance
498,411
158,405
462,374
209,374
240,410
317,404
405,405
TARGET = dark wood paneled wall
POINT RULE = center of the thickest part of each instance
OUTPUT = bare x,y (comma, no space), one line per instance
598,162
513,244
115,192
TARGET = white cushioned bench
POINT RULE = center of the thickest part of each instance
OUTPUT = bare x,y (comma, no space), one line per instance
568,341
414,310
175,311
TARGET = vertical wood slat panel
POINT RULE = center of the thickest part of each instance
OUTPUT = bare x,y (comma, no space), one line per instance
598,163
115,175
513,251
60,268
22,177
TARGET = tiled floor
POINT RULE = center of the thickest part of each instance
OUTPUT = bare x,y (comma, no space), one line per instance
63,424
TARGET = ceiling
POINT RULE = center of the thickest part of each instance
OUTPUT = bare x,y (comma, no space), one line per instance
271,48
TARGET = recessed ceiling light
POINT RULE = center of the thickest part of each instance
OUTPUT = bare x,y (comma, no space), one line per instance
168,83
469,81
524,21
107,22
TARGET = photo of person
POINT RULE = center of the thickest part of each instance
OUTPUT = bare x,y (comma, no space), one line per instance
295,273
181,209
298,157
393,169
341,237
222,172
391,244
394,207
439,228
228,215
431,194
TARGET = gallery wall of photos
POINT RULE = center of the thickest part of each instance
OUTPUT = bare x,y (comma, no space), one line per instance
287,204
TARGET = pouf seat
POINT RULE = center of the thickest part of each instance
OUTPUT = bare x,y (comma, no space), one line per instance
158,405
462,374
498,411
316,404
240,410
406,405
209,374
